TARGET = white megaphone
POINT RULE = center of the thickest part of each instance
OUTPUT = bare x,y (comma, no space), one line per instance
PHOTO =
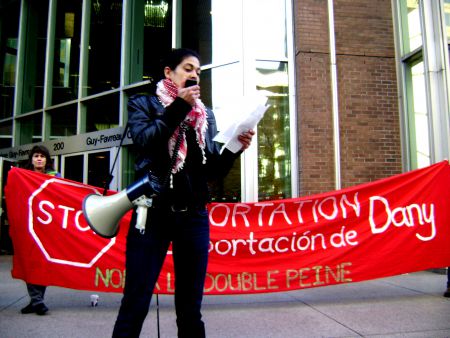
103,213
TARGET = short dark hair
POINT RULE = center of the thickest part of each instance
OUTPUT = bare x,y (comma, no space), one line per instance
39,149
176,56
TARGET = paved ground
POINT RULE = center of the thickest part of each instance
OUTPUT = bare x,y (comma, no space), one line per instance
409,305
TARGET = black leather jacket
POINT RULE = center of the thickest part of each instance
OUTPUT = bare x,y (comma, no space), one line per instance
151,126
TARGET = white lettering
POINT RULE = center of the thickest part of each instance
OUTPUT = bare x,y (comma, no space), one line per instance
260,214
49,210
401,216
245,210
307,241
334,208
48,214
77,221
213,222
65,214
280,209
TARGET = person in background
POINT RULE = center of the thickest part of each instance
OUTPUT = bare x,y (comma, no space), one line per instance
39,160
447,292
179,214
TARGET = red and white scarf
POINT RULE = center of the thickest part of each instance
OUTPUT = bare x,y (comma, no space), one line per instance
167,91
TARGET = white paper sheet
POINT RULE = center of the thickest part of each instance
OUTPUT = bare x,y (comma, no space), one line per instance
250,119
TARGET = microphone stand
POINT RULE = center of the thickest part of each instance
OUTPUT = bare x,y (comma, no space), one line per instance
157,314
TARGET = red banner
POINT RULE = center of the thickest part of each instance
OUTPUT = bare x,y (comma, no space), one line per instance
392,226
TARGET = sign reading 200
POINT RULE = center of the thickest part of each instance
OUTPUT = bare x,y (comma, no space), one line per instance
58,146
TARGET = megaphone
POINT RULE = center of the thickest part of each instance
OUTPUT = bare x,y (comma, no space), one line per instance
103,213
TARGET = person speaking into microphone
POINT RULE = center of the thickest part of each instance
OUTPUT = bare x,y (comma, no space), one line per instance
173,114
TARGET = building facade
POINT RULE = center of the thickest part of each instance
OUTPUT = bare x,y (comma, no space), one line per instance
358,89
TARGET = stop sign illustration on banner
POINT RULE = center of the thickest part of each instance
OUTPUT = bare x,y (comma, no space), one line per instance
60,213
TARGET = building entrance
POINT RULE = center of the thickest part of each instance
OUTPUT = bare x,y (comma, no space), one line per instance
91,167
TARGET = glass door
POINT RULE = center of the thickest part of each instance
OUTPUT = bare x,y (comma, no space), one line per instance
91,168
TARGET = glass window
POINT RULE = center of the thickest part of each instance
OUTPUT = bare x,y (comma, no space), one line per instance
102,112
9,28
224,44
63,121
196,27
97,164
274,159
269,36
225,40
73,167
447,17
418,116
229,188
206,28
30,128
34,55
418,119
157,39
66,51
411,28
5,134
104,46
221,89
98,168
128,155
214,29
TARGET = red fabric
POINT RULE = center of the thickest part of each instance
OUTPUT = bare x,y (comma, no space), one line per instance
384,228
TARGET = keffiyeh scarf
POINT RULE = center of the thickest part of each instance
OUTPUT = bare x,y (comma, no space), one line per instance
167,91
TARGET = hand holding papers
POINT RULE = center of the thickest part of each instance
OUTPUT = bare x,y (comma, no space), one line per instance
251,116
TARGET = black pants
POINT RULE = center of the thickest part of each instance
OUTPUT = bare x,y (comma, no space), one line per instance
145,254
36,293
448,277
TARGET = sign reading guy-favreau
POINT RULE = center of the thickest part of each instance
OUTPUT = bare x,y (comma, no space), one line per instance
73,144
396,225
